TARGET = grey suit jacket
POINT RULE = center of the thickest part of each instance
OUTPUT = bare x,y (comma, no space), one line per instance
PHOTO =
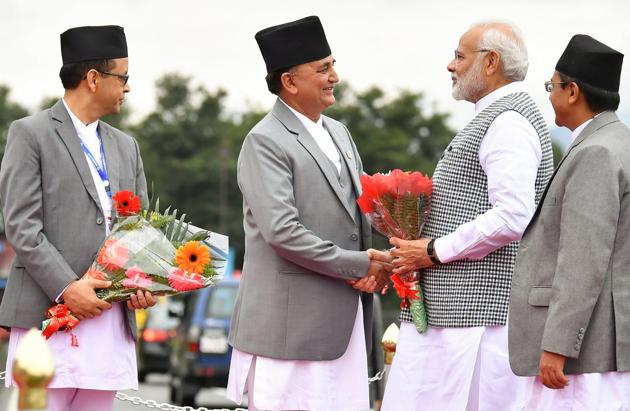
571,284
53,216
301,243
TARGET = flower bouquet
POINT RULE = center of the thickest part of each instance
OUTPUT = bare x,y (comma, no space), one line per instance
397,205
151,251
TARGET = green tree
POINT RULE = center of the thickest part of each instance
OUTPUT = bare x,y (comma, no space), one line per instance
189,145
9,111
392,132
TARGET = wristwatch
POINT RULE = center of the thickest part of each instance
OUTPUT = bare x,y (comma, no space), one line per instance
431,252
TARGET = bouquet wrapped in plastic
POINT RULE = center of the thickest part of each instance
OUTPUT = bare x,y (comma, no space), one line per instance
397,205
151,251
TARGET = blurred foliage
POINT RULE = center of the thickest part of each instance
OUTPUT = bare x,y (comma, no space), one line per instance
9,111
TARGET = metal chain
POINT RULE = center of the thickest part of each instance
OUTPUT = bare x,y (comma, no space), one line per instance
169,407
165,406
379,376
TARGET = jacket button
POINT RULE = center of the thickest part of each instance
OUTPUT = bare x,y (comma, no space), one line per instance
354,237
577,347
582,330
99,220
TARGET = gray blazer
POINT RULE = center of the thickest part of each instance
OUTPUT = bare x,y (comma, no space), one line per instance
301,243
571,284
53,216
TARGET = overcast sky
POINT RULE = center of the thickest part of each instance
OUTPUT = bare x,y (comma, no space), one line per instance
395,44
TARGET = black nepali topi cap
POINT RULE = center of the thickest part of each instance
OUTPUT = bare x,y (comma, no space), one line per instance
293,43
93,43
592,62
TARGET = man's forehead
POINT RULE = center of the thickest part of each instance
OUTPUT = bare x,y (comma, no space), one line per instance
470,39
318,63
326,60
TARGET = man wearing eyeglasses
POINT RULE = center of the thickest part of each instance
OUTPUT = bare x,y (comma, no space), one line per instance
485,190
59,171
570,304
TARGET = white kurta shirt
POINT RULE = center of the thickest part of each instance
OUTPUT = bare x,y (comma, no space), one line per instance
510,154
320,134
106,357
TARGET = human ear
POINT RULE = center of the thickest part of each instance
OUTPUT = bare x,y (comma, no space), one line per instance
286,79
574,93
493,62
92,80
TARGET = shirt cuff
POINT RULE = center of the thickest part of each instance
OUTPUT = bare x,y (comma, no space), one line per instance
442,250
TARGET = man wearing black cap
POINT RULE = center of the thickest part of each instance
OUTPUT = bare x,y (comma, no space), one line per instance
301,322
570,303
59,171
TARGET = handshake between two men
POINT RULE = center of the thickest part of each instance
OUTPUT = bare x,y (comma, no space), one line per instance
404,257
377,276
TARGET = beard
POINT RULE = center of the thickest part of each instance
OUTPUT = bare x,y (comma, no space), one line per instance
470,84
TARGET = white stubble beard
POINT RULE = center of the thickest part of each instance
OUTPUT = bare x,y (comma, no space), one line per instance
471,83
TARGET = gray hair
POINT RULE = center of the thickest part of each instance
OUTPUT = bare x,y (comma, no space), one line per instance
507,41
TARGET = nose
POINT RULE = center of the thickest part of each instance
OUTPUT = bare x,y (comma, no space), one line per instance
452,66
126,88
333,76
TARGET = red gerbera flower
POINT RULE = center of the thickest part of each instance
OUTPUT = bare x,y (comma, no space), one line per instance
126,203
136,278
181,280
405,290
112,255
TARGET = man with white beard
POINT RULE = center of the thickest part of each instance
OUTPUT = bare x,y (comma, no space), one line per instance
485,190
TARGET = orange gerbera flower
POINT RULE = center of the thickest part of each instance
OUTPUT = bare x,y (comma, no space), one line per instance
192,257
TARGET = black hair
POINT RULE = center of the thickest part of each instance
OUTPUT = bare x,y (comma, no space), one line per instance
273,79
71,74
597,99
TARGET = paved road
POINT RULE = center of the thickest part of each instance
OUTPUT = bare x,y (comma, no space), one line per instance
156,388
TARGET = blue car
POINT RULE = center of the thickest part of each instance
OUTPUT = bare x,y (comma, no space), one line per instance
200,354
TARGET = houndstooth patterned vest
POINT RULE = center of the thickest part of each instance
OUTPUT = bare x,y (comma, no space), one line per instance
473,293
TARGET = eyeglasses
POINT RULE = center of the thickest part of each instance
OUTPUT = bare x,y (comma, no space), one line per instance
122,77
549,85
458,55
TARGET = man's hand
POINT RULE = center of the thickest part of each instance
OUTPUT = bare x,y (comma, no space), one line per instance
141,300
552,370
409,255
378,273
82,300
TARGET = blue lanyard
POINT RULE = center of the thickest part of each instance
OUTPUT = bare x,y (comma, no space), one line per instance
99,166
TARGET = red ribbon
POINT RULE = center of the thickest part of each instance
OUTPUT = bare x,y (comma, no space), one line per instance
404,290
60,319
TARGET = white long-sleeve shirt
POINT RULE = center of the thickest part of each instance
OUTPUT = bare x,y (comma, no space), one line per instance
509,154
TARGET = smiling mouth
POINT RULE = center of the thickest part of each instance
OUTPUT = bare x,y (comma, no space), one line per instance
329,89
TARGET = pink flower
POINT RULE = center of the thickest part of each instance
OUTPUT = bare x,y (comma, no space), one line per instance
112,255
136,278
181,280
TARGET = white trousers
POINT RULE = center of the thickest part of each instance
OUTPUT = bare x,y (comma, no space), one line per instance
73,399
609,391
453,369
272,384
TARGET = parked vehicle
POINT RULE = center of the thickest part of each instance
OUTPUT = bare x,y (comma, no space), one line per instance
153,347
200,355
